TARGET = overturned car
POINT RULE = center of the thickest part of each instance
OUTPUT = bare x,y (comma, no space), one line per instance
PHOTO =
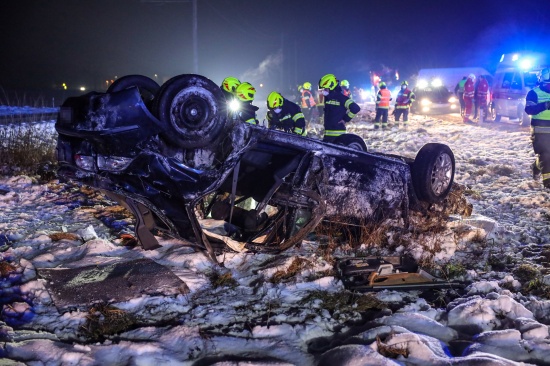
174,158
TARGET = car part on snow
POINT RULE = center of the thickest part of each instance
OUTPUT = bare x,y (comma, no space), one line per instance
433,172
187,171
387,273
148,88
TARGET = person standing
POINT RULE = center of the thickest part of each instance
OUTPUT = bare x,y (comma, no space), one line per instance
469,92
338,108
284,115
383,98
403,102
245,94
481,93
537,105
307,101
344,84
459,91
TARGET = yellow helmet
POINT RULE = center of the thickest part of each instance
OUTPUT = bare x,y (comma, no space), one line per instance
274,100
344,83
246,92
307,85
328,82
230,84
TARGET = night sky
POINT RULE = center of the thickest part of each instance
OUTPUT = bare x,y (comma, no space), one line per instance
46,43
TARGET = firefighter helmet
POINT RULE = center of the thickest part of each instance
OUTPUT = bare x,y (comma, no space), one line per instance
344,83
230,84
545,75
382,84
405,83
472,76
246,92
328,82
274,100
307,85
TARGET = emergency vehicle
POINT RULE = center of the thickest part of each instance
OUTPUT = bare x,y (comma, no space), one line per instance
516,74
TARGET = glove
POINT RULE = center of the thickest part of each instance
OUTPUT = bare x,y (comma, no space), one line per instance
288,125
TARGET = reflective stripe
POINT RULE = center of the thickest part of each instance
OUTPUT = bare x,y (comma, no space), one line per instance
299,131
348,102
540,129
297,116
333,102
334,132
251,120
351,115
545,176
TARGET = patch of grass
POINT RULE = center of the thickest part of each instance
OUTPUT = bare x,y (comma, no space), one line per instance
221,279
537,287
104,320
499,262
477,161
473,193
6,268
526,273
297,266
28,149
67,236
453,270
345,301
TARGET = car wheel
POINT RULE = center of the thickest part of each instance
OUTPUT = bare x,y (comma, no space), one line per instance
352,141
433,172
190,106
148,88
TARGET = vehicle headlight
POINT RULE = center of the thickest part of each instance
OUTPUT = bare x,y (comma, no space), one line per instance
113,163
425,102
452,100
234,105
364,95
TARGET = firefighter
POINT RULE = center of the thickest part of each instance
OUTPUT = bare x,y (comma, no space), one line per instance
282,114
344,84
229,87
307,101
538,106
459,91
339,109
383,98
245,93
469,92
405,98
481,93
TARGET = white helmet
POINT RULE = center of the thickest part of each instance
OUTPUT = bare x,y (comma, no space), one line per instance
472,76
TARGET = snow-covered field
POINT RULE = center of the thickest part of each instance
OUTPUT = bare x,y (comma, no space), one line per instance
259,316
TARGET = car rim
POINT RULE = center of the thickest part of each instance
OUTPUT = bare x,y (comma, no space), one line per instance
355,146
441,174
189,112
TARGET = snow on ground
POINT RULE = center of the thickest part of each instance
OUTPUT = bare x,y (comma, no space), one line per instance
308,318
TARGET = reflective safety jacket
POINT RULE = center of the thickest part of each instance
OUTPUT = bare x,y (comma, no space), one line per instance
307,99
247,113
469,89
482,90
459,88
339,109
290,119
383,99
404,99
535,105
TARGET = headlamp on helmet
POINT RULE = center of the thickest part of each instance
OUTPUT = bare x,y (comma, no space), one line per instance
246,92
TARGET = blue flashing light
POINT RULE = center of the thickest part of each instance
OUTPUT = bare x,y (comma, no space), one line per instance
526,64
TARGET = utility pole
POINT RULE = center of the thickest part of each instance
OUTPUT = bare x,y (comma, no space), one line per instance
194,25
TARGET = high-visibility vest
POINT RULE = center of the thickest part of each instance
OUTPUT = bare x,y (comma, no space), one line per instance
307,98
384,96
542,97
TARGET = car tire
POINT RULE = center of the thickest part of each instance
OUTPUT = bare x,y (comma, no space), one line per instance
148,88
352,141
497,117
433,172
191,108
